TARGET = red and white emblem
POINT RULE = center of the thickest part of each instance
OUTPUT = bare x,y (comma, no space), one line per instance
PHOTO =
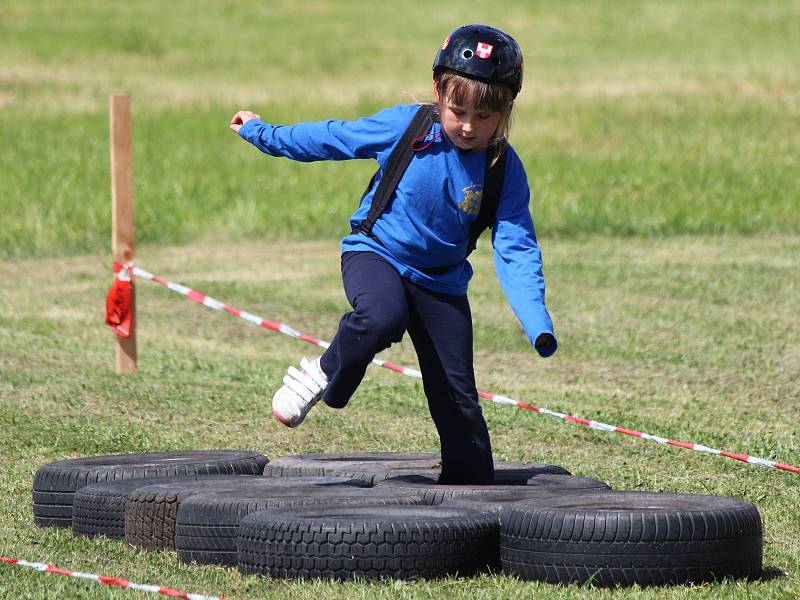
484,50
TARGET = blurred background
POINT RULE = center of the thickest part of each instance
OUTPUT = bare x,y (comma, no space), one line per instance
635,118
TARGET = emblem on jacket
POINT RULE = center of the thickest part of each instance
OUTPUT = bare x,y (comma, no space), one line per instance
471,204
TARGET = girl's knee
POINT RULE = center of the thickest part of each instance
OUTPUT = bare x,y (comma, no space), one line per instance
389,329
385,326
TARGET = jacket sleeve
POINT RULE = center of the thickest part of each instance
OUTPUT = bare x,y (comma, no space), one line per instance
367,137
518,259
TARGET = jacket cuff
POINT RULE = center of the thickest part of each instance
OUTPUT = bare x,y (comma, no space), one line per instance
549,347
245,129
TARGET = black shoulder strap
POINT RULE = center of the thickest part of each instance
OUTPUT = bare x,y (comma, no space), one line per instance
398,163
492,190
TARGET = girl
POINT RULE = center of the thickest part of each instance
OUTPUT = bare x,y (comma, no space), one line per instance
406,270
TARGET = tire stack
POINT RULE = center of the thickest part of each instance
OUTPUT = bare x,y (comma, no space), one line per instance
55,484
382,515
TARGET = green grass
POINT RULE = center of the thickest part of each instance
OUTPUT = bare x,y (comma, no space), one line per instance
661,140
690,338
636,118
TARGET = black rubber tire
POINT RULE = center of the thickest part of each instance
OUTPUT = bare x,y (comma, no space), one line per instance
434,494
55,483
325,463
377,466
340,542
520,473
505,472
495,500
374,477
99,509
53,515
207,524
151,511
627,538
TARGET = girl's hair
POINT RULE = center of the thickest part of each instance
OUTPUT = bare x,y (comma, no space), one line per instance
497,97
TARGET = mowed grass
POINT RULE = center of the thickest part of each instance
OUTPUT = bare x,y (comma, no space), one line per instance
690,338
636,118
661,141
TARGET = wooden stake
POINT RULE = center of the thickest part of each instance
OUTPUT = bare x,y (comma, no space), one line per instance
122,219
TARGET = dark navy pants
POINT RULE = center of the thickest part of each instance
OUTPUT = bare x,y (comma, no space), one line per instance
385,305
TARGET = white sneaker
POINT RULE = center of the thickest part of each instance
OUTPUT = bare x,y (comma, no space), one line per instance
300,392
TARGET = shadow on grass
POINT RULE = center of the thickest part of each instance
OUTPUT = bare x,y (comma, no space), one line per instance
771,574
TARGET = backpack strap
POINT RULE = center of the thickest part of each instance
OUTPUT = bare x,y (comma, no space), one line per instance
492,190
398,162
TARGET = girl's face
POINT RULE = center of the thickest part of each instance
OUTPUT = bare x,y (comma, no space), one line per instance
467,127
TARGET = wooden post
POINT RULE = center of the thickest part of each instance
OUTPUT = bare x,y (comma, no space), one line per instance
122,220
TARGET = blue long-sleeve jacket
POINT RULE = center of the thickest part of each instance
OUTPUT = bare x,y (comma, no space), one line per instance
427,224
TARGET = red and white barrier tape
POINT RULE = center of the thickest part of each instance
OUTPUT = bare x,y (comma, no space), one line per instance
104,580
286,330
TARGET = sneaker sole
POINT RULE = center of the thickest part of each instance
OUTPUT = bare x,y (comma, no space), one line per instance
283,420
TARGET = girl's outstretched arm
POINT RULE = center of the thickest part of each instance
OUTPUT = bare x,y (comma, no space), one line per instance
367,137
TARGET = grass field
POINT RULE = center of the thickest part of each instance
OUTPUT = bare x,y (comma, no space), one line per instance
636,117
661,141
652,338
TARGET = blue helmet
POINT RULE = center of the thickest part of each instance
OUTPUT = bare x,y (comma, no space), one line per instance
482,52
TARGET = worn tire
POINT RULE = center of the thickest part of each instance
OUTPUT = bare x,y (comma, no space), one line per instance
207,524
434,494
377,466
341,542
627,538
495,500
99,508
508,472
325,463
55,484
151,512
505,472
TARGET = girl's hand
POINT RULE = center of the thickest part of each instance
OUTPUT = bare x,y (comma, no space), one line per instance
242,117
